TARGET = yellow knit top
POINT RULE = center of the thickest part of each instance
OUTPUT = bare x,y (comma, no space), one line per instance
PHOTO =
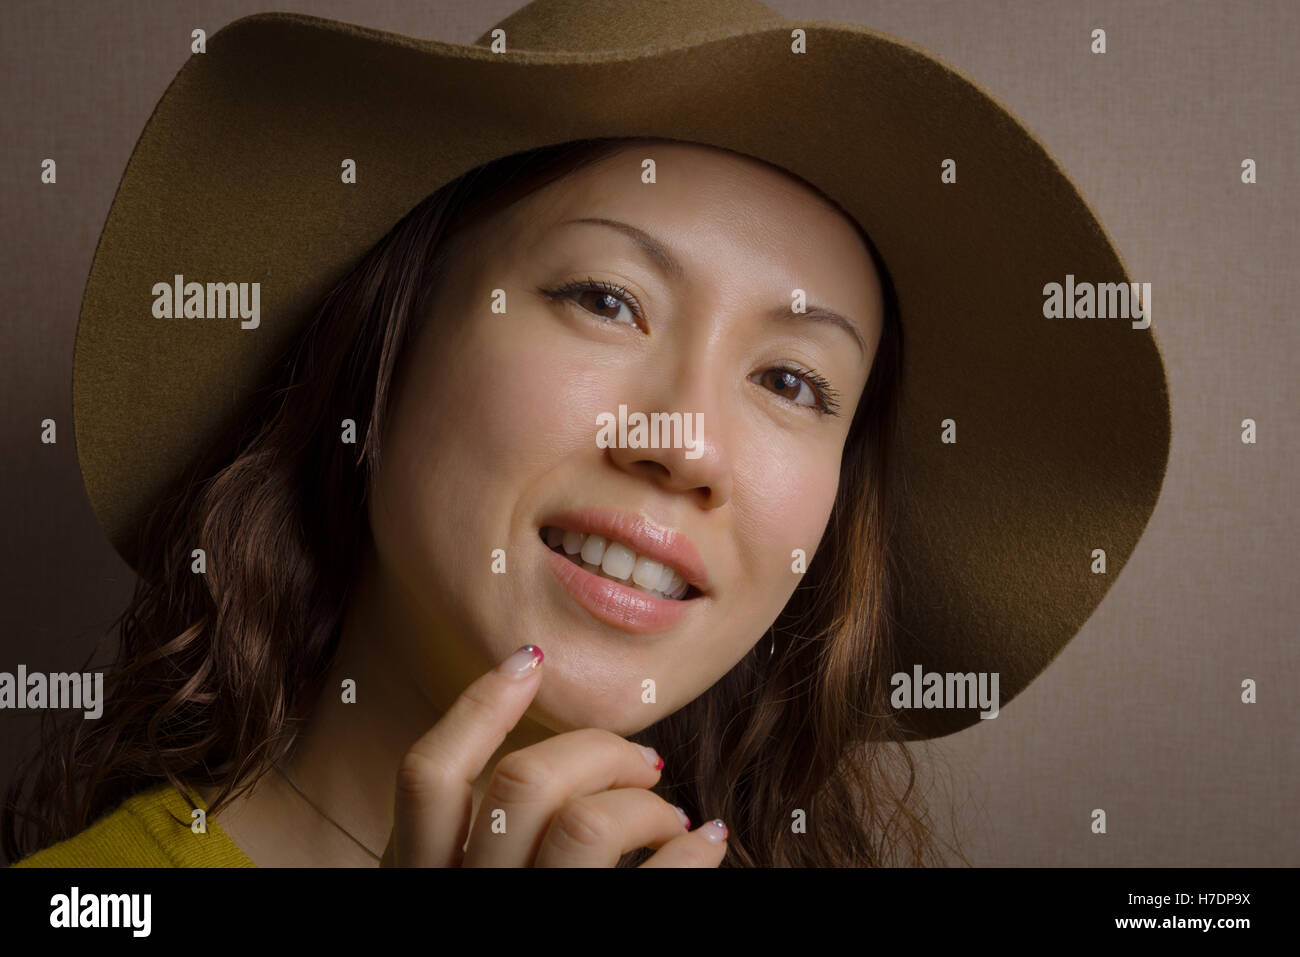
151,829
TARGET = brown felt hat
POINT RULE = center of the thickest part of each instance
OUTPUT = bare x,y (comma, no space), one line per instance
1062,424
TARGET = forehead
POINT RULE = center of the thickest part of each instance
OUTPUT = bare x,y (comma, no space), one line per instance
693,184
715,207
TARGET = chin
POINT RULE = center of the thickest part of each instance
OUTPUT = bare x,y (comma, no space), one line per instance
562,705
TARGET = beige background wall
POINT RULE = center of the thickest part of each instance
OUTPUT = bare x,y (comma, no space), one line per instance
1141,713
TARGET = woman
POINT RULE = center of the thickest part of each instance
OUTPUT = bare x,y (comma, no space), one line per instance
489,431
427,483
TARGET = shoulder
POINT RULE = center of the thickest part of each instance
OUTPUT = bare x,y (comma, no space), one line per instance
149,829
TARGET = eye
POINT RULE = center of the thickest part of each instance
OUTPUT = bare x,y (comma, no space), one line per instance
598,296
804,382
613,297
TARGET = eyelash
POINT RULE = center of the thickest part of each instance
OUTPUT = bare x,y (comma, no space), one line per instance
826,396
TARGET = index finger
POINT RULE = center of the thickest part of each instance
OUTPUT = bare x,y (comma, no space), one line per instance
434,800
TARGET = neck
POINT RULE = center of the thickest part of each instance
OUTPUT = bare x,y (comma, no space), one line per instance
403,678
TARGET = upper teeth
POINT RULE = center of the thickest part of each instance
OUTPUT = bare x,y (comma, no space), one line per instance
617,561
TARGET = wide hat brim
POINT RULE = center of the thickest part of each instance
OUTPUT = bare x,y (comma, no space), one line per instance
1063,424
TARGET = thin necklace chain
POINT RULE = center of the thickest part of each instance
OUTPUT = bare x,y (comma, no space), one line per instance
349,834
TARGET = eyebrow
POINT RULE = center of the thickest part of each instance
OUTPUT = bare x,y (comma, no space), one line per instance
671,267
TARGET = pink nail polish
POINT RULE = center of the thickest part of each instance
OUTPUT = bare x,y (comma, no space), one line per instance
651,757
714,831
686,821
522,663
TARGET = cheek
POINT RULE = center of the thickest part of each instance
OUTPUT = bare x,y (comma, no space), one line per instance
477,423
483,411
528,412
790,500
781,503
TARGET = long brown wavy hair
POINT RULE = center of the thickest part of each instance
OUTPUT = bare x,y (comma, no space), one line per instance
214,673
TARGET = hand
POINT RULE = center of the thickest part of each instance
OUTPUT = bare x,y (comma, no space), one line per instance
578,799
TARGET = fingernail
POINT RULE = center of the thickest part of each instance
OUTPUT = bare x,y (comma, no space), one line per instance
522,663
686,821
651,757
714,831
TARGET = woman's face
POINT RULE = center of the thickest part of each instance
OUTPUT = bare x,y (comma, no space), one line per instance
493,432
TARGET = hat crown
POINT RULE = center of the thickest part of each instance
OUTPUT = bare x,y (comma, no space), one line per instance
589,26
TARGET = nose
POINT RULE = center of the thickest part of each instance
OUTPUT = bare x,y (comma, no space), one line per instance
708,473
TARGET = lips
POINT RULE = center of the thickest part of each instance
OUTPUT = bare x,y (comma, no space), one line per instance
644,537
617,603
615,561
